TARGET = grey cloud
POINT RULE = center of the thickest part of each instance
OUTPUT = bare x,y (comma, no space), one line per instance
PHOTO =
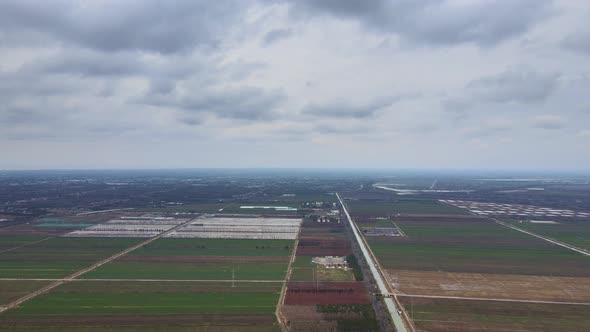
276,35
241,103
516,85
341,129
87,64
549,122
150,25
578,42
343,109
437,22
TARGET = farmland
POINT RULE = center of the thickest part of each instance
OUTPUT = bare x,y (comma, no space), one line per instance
576,233
401,206
459,315
207,259
85,303
57,257
13,289
475,246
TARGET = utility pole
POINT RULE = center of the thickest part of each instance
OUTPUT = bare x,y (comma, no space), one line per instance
233,277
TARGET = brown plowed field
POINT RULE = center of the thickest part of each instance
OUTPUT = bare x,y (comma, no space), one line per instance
312,246
308,293
500,286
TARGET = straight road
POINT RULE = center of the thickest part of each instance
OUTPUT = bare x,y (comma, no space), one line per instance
389,303
88,269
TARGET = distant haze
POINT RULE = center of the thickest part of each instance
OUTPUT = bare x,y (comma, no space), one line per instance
296,84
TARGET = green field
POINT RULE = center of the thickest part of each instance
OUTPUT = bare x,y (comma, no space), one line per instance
217,247
149,303
461,315
402,206
11,290
58,257
478,247
8,242
135,305
574,233
187,271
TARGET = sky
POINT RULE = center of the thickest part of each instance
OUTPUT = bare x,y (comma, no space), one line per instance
295,84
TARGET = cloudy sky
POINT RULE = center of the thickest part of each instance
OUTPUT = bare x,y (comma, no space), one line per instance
332,83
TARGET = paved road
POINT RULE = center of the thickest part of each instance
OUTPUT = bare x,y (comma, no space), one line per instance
88,269
389,303
490,299
559,243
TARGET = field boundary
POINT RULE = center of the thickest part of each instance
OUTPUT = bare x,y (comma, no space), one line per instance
278,311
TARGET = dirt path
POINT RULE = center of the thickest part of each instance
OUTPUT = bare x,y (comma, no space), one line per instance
489,299
280,318
26,244
88,269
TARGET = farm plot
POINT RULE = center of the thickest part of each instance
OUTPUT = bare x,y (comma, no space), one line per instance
576,233
493,286
402,206
462,315
474,247
202,259
326,293
58,257
10,290
149,304
8,242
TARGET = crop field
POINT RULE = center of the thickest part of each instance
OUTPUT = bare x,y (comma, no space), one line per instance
493,286
57,257
9,242
402,206
576,233
202,259
186,271
320,246
474,247
311,293
217,247
10,290
136,304
461,315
